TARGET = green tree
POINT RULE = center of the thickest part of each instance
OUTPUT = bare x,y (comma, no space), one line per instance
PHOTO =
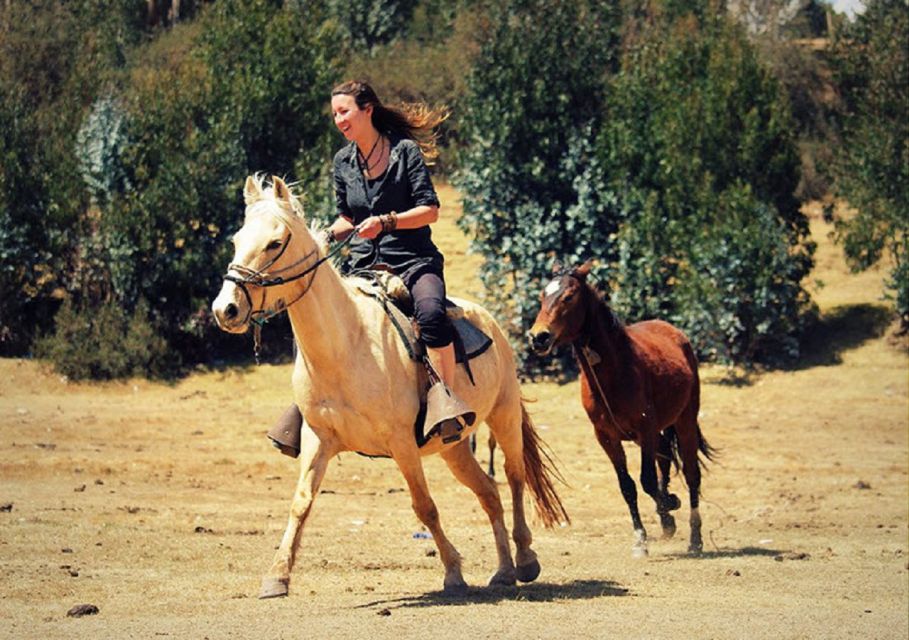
699,141
871,63
370,23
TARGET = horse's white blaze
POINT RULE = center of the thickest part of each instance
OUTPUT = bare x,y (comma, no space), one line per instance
552,287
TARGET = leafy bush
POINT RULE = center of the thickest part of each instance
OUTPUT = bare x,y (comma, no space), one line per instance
105,342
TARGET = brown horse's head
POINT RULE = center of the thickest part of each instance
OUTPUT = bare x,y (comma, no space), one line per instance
562,309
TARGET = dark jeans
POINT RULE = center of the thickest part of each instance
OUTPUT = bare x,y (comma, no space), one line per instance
427,288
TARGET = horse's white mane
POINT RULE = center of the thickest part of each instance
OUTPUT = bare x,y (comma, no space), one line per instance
293,217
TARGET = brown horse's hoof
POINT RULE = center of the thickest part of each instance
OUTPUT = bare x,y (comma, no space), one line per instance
528,572
695,548
273,588
672,502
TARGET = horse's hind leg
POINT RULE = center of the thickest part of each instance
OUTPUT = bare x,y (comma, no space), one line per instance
616,453
505,423
408,460
689,443
314,458
467,470
668,501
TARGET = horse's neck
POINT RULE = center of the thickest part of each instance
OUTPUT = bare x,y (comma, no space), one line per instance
607,336
325,321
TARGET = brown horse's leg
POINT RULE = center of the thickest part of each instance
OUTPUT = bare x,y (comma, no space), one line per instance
408,460
314,458
668,501
689,442
467,470
491,471
616,453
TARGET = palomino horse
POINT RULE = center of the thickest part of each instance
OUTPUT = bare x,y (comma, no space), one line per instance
359,390
638,383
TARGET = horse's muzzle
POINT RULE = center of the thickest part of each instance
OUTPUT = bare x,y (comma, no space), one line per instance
541,341
231,311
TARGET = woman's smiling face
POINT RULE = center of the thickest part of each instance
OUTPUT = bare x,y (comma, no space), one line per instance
355,123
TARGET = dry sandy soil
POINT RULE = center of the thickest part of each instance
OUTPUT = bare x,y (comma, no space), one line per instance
162,505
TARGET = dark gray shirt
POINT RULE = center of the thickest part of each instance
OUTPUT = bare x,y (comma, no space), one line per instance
404,185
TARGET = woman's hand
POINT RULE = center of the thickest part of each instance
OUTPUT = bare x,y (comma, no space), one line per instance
370,228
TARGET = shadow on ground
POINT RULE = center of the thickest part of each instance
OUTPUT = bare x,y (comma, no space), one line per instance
728,553
537,592
839,330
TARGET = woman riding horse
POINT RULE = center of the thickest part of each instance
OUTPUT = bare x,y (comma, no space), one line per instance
384,195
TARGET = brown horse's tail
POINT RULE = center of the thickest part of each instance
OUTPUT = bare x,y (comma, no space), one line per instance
539,470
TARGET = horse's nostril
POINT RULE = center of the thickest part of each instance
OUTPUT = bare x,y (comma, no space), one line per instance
231,311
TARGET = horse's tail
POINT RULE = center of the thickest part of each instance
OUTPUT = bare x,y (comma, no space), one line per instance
540,470
707,451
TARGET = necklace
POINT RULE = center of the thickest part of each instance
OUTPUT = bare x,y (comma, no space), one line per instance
364,160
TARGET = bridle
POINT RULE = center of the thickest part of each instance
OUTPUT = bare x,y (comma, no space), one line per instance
264,279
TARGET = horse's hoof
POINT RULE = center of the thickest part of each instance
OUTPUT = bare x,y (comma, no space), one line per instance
672,502
696,548
273,588
668,524
528,572
456,590
503,579
639,552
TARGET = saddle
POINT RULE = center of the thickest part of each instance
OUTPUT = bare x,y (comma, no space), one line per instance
440,409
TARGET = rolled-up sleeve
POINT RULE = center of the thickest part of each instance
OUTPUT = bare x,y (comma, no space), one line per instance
422,191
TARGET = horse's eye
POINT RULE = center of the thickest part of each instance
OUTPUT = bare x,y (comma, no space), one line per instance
274,244
568,297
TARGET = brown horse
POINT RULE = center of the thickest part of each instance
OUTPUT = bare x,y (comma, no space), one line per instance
638,383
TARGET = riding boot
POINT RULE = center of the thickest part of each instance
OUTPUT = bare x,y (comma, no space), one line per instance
285,435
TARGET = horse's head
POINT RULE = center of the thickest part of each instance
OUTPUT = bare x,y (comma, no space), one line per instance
271,251
562,309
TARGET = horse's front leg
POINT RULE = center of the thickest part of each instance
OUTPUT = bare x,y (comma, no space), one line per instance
314,457
668,502
408,460
613,448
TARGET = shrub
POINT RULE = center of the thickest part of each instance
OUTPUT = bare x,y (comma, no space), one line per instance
104,342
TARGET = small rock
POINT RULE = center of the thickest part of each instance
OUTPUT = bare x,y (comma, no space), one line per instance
201,529
861,484
82,610
733,572
6,507
431,553
66,550
99,481
73,573
384,612
80,488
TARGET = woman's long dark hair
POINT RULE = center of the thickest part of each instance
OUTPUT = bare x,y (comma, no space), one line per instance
416,121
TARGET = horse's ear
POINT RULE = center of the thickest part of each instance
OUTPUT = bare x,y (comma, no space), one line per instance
252,191
584,270
282,191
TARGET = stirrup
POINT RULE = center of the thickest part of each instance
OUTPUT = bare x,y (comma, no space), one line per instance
285,435
446,414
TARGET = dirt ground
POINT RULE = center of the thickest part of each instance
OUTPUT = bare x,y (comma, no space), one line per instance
162,505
